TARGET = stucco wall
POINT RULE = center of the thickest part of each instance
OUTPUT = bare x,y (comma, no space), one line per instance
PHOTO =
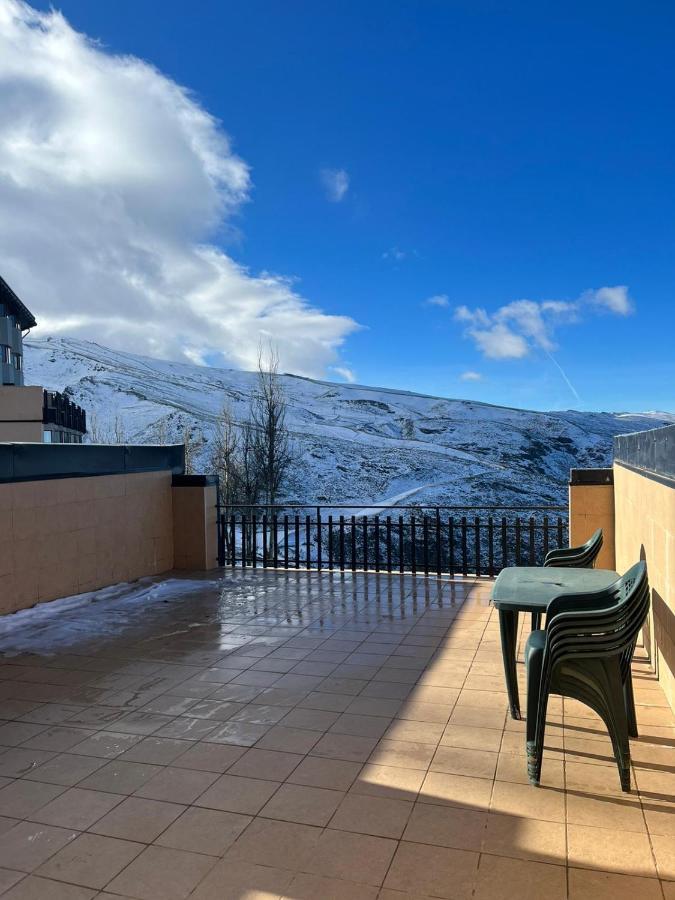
21,414
69,535
645,529
592,507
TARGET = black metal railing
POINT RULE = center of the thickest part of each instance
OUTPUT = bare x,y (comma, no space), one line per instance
439,540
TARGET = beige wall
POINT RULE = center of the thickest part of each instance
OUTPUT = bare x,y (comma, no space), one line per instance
69,535
194,527
645,529
21,414
592,507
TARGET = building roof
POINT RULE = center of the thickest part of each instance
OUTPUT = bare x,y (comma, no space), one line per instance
23,315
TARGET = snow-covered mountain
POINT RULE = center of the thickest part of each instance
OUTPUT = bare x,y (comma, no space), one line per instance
351,443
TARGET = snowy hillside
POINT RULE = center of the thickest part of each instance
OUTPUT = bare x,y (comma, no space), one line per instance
351,443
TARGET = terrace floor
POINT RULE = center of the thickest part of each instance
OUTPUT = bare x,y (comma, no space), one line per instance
267,734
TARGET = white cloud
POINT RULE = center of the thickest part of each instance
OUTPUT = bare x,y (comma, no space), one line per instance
515,329
335,183
471,376
345,373
394,253
114,182
614,299
437,300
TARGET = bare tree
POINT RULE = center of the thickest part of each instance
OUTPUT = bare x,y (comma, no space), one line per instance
225,455
268,417
98,433
119,430
248,470
190,446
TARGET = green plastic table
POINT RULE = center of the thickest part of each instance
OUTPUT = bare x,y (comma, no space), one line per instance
530,589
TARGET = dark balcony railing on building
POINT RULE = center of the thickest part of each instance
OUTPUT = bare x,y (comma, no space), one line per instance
57,409
439,540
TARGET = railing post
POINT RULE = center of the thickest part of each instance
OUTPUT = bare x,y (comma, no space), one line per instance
465,568
365,543
254,542
233,539
491,548
308,541
413,546
342,543
264,540
285,541
318,538
243,541
439,554
518,548
425,544
388,526
377,543
505,544
401,546
545,536
476,541
451,545
297,541
353,543
532,542
330,542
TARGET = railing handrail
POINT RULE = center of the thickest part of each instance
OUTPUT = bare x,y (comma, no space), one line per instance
366,505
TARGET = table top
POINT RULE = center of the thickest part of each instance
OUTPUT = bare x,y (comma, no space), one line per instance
531,588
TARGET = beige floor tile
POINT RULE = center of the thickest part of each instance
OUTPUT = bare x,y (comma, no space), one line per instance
269,764
437,696
477,717
388,781
460,761
288,740
352,748
120,777
525,839
137,819
66,769
20,798
664,851
419,711
354,857
404,754
512,767
311,719
28,845
315,771
277,844
437,871
205,757
232,880
208,831
365,814
311,887
9,877
585,884
660,817
656,785
622,813
500,878
35,888
162,874
159,751
471,737
513,799
375,706
412,730
235,793
177,785
445,826
587,778
610,850
91,860
668,888
77,808
303,804
456,790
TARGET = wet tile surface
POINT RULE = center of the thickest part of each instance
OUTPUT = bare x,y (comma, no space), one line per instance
270,734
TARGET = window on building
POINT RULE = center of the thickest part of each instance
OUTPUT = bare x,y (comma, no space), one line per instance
5,354
47,436
18,362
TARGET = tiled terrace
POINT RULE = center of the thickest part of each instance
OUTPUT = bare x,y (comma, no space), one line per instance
309,736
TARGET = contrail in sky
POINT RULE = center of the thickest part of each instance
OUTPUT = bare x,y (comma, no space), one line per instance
567,381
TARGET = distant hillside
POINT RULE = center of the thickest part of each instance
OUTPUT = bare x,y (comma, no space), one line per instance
352,443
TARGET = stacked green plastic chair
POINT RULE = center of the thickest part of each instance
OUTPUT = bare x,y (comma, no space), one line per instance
585,653
580,557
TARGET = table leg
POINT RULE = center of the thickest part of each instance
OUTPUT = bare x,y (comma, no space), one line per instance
508,628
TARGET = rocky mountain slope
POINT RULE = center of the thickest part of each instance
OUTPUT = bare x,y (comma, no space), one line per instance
351,443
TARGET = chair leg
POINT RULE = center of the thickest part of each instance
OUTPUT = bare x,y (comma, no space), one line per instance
535,748
629,702
616,719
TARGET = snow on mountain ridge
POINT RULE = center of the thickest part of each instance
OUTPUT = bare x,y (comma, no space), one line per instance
352,442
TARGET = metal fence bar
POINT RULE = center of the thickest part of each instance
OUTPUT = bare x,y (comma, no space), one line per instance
249,536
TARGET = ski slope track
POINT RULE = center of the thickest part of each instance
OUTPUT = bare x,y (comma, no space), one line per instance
352,444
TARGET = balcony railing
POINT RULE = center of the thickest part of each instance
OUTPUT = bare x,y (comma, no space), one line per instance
438,540
57,409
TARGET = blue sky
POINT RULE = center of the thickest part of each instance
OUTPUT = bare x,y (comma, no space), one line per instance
405,150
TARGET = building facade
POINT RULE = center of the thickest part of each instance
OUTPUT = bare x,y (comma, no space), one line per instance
29,413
